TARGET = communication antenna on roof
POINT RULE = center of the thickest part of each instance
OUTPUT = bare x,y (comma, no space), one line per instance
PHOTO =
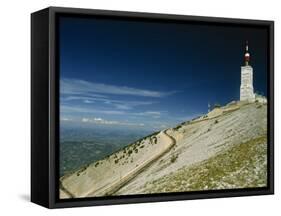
247,54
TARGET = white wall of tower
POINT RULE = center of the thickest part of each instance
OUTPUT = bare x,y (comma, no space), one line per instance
246,88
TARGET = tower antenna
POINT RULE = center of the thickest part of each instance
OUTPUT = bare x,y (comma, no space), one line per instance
247,54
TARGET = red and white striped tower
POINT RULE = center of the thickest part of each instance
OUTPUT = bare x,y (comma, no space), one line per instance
247,55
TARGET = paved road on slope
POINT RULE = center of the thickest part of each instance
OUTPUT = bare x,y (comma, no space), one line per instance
116,185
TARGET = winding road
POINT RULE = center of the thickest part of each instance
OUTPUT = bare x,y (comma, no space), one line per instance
113,187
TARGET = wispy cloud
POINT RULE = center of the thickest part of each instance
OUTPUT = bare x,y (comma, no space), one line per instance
81,110
108,122
77,109
76,86
65,119
152,114
119,104
80,98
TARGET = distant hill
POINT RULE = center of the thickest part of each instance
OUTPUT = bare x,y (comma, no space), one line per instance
226,148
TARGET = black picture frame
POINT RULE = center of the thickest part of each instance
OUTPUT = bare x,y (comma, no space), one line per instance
45,108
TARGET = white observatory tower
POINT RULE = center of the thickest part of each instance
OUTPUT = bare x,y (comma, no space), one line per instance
246,87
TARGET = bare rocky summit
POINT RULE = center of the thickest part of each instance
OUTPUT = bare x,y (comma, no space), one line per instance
226,148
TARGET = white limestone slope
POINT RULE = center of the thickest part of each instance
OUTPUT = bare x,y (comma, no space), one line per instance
135,169
108,175
201,139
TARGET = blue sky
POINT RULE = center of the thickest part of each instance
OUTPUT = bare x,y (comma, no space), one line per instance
139,74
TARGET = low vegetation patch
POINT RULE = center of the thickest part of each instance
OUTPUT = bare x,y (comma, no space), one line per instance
174,158
82,170
242,166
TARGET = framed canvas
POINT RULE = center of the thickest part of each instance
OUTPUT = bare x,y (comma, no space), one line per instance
140,107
